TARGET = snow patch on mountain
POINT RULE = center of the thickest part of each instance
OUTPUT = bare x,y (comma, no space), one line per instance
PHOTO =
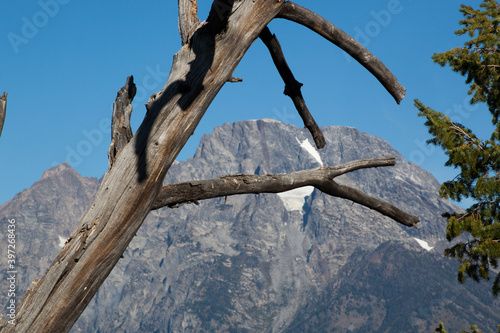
311,150
295,199
423,244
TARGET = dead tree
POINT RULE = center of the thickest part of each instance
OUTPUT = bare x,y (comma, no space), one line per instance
132,187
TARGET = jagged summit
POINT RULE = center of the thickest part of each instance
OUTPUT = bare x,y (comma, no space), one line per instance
60,179
56,170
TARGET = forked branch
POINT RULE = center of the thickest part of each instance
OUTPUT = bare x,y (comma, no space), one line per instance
318,24
188,18
321,178
3,110
292,86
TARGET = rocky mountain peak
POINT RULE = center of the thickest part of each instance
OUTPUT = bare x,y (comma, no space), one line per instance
251,263
58,169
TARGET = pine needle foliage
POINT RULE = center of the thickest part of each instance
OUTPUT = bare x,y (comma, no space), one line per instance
477,160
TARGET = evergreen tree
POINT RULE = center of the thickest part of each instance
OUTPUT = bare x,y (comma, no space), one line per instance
477,160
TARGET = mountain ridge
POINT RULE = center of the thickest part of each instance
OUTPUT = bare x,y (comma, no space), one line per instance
249,262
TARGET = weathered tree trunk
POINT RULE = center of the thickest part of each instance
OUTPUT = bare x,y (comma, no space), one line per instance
3,110
130,187
211,51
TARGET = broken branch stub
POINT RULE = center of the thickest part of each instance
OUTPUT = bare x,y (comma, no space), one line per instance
188,18
3,110
121,132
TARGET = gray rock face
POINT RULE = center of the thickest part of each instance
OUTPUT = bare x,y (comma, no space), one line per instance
250,263
45,215
398,287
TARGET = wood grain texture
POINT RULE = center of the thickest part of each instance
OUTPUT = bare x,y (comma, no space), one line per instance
121,132
188,19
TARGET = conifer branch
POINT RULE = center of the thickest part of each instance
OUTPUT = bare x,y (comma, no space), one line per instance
482,49
461,132
480,206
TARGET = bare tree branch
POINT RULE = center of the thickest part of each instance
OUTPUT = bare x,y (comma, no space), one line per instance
188,18
318,24
364,199
321,178
121,132
3,110
292,86
233,79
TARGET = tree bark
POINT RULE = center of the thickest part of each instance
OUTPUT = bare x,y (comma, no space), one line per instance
188,18
210,53
3,110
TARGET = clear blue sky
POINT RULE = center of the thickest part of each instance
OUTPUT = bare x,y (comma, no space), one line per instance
63,65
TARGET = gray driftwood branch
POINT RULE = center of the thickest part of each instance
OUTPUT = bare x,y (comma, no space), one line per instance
318,24
3,110
322,178
292,86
